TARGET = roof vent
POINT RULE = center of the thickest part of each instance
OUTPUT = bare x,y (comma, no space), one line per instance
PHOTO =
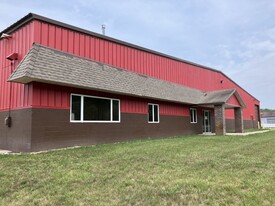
103,27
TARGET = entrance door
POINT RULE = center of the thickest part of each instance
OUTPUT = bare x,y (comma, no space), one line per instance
206,121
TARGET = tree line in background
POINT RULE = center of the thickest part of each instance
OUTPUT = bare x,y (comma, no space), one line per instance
267,110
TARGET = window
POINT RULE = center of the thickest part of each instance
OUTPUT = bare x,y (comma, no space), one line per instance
193,115
153,113
75,107
94,109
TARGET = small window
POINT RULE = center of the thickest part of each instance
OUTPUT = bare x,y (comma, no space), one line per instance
94,109
115,110
153,113
75,107
193,115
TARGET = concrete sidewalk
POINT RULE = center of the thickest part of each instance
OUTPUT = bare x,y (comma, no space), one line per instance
4,151
247,133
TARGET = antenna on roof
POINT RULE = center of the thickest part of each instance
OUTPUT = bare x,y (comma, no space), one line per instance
103,27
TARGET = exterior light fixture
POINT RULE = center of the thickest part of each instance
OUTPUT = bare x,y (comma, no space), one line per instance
12,56
5,36
8,121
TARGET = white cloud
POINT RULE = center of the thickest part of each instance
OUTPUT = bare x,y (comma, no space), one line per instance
259,76
237,37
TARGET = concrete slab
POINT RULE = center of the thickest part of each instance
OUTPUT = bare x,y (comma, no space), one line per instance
247,133
4,151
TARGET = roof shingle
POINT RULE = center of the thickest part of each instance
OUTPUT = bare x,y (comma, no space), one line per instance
43,64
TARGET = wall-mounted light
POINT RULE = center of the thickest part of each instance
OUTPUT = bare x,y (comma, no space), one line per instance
13,56
8,121
5,36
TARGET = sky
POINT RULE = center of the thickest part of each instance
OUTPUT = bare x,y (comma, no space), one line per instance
236,37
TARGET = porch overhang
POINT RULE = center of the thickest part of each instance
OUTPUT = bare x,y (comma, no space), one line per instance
226,106
229,98
221,101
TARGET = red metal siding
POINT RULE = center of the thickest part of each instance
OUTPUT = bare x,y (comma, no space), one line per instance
233,101
139,61
52,96
21,95
229,113
173,109
111,53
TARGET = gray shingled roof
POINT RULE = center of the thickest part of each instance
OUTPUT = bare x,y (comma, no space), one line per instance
43,64
221,97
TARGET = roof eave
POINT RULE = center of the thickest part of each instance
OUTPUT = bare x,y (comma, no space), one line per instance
243,105
21,22
27,80
230,95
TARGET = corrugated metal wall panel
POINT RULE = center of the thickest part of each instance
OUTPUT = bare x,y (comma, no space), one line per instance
58,34
110,53
71,42
138,61
20,43
233,101
166,108
51,96
229,113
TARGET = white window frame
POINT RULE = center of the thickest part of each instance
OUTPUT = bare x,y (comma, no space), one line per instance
193,115
153,113
94,121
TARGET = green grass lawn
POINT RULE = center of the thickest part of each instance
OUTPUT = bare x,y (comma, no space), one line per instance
192,170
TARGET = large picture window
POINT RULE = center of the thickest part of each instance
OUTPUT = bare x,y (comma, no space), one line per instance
94,109
153,113
193,115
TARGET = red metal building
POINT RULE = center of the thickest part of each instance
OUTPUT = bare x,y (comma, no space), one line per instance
63,86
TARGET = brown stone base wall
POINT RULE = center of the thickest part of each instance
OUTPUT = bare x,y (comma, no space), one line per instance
16,138
52,129
42,129
230,125
248,124
220,127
